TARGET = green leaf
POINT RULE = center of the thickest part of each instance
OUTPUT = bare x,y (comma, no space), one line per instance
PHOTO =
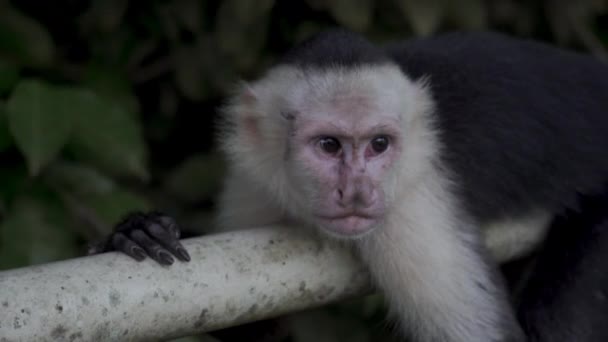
40,120
92,197
196,179
113,85
5,136
109,136
9,75
78,178
24,39
354,14
35,231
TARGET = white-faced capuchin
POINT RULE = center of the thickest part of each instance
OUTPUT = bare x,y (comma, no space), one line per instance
410,152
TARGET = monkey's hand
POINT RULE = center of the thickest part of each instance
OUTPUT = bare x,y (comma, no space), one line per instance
151,234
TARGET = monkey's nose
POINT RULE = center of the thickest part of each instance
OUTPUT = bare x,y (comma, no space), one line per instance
359,195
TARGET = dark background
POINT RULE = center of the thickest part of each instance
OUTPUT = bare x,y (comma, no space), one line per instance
107,106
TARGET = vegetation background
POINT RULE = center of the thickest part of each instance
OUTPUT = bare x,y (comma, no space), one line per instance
107,106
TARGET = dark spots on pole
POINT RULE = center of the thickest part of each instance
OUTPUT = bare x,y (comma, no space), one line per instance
17,323
5,304
248,315
85,300
59,308
114,298
101,332
201,320
325,291
59,332
231,309
76,336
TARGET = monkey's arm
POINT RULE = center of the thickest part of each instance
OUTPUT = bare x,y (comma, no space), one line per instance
432,266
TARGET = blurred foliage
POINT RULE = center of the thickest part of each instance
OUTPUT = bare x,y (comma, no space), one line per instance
107,106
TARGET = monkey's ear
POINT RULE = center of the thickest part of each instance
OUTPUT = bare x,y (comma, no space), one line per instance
247,94
246,115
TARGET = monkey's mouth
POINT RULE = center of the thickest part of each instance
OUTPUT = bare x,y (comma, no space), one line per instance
347,215
348,225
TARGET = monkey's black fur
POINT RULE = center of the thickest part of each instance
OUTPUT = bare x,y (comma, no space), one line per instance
337,48
565,297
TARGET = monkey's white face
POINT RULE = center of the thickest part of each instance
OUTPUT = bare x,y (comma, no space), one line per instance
325,144
340,156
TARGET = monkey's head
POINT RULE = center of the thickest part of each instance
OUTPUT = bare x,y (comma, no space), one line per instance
327,143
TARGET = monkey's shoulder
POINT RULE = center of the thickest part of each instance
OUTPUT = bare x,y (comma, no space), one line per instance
522,123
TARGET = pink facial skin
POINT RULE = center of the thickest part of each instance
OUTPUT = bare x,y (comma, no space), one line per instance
347,153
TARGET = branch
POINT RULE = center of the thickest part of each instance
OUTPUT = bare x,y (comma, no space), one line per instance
233,278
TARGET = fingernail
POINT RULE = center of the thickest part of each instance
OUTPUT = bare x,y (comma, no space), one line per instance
183,254
165,258
139,253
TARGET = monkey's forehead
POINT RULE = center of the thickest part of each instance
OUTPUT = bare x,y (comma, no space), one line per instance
299,88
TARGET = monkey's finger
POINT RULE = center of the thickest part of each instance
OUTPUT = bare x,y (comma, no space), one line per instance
120,242
168,223
153,248
168,240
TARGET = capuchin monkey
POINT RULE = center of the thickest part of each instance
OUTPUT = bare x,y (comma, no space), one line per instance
410,152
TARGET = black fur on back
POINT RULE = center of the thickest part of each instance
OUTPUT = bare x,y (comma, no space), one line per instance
335,48
564,297
523,125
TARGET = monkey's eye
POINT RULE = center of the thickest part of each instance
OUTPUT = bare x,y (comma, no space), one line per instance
380,144
330,145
